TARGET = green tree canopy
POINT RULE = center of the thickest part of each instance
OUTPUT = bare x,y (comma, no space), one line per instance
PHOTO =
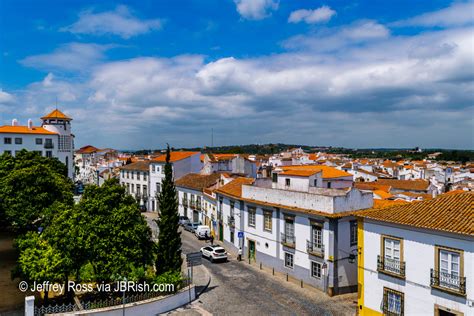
169,239
29,185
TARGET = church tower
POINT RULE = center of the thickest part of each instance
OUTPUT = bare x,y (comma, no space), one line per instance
59,123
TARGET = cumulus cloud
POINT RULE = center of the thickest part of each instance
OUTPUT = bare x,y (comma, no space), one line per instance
335,38
458,14
72,57
256,9
320,15
119,22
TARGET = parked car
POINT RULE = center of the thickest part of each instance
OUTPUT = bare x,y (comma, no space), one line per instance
183,220
214,253
191,227
202,232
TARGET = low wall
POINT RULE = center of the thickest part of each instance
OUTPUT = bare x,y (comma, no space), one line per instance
153,306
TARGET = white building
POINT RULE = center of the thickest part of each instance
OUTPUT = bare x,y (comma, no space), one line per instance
135,178
232,163
418,258
300,229
52,139
183,162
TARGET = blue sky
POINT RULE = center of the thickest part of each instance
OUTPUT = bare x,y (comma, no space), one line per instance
139,74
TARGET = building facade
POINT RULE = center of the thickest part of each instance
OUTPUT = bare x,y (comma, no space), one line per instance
135,178
52,139
417,258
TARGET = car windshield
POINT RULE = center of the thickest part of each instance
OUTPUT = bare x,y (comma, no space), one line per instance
219,250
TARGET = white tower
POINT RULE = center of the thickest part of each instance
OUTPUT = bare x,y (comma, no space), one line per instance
60,123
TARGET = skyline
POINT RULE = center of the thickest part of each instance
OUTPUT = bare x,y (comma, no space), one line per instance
139,75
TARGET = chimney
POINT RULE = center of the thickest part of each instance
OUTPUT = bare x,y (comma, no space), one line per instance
30,124
14,122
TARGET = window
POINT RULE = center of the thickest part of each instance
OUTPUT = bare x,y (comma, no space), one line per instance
18,141
158,187
251,211
329,185
288,260
392,302
287,182
448,273
163,170
353,232
144,176
133,188
7,140
392,256
49,153
315,182
138,189
267,220
315,269
39,141
317,236
232,238
232,204
48,143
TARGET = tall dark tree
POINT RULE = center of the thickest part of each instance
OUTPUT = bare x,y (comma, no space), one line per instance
168,256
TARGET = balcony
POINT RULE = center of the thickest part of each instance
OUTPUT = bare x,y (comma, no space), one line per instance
315,249
453,284
192,204
392,267
184,202
198,205
231,221
48,145
288,240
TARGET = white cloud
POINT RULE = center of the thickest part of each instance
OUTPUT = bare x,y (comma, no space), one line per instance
458,14
256,9
6,97
333,39
119,22
72,56
322,14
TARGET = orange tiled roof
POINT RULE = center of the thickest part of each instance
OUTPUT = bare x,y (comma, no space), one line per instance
176,156
383,195
234,188
299,173
56,114
197,181
25,130
416,185
328,172
87,149
137,166
451,213
386,203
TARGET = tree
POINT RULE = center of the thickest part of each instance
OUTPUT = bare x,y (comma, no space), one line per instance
169,238
114,237
39,261
29,185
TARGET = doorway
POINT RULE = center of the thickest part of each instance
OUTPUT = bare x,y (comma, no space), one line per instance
251,252
444,311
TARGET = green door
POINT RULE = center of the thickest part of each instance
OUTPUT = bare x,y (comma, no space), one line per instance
252,249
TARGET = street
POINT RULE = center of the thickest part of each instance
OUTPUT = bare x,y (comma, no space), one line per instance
239,288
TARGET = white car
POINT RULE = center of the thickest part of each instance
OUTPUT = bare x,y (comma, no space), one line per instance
202,232
214,253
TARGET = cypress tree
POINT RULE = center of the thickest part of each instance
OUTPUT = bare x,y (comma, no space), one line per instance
169,239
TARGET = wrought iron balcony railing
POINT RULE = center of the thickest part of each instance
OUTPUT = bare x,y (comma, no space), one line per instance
198,205
288,240
192,204
448,282
316,249
231,221
391,266
48,145
184,202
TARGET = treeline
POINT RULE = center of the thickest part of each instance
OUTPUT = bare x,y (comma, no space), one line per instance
103,238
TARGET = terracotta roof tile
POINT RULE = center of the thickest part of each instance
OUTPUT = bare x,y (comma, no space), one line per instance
197,181
56,114
234,188
175,156
137,166
25,130
328,172
409,185
451,213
